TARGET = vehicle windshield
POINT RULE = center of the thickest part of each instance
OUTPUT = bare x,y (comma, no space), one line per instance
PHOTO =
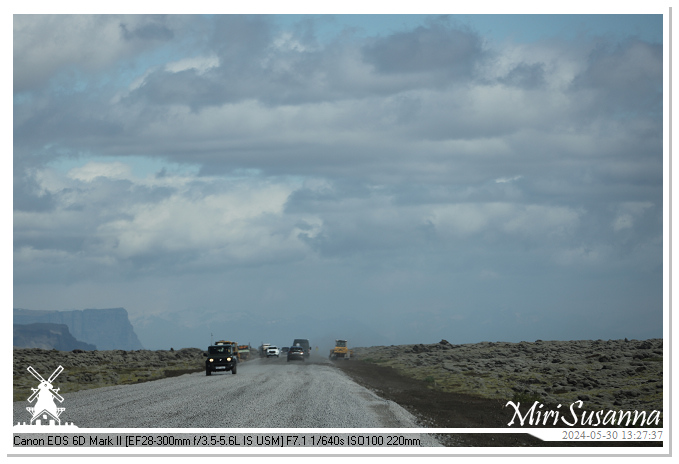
221,349
341,343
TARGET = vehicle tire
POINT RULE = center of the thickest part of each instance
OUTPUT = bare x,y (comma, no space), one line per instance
207,372
233,370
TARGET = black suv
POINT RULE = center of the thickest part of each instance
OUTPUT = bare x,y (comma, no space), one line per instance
295,352
220,358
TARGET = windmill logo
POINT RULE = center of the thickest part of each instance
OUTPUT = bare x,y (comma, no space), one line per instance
45,408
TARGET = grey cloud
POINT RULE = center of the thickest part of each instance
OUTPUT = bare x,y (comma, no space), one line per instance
69,126
254,65
434,48
182,88
152,29
624,78
526,76
47,46
240,39
26,196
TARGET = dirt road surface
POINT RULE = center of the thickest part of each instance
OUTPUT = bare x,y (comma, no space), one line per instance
267,393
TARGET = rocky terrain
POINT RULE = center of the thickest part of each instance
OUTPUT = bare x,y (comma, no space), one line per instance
93,369
612,374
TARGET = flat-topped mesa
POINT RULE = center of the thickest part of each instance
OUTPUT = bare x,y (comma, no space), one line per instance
107,329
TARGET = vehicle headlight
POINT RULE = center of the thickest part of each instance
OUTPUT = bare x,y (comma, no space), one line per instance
228,359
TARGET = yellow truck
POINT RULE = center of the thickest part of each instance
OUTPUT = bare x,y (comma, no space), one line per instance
341,350
244,352
233,344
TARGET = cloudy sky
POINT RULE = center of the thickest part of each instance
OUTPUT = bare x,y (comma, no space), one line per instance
386,179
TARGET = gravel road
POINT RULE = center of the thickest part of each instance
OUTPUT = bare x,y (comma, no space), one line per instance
264,393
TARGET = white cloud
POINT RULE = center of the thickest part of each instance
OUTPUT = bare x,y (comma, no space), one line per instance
201,64
242,220
504,180
244,224
45,45
91,171
537,222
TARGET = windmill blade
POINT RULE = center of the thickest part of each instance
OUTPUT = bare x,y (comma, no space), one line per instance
35,374
54,375
35,393
57,395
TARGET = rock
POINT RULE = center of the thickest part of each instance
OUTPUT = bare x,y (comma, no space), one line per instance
451,367
645,345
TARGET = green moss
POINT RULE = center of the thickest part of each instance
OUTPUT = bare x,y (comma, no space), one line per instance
105,374
526,398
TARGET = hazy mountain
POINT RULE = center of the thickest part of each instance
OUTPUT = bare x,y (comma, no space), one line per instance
108,329
47,336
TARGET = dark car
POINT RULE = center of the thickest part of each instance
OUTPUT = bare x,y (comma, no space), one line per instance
304,343
220,358
296,353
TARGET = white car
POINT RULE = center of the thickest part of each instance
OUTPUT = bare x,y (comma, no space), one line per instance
272,351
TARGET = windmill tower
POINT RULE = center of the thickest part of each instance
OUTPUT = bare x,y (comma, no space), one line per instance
46,394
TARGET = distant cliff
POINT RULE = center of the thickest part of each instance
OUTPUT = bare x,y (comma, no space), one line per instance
47,336
107,329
